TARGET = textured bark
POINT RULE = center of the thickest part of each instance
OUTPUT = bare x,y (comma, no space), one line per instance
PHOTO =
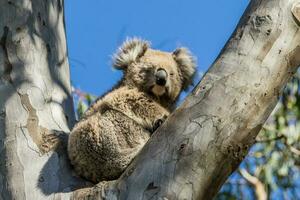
36,108
189,157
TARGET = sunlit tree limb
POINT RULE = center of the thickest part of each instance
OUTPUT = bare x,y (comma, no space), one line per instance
259,187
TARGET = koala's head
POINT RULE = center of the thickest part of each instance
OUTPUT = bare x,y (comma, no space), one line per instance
161,74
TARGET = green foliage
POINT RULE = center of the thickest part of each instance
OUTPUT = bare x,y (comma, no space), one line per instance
81,108
82,101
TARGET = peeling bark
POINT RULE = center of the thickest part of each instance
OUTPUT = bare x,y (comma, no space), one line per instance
44,139
193,152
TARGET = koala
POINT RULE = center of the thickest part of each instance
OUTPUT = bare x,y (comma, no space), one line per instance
118,124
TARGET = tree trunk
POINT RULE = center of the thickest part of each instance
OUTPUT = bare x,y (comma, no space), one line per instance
36,108
194,151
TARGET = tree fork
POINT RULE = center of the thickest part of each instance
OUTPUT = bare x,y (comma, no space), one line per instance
194,151
207,137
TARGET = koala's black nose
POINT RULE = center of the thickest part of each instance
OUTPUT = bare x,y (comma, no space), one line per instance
161,77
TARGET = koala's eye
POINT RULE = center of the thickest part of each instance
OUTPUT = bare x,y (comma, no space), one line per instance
171,74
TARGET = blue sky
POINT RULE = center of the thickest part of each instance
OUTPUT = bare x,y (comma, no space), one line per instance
95,28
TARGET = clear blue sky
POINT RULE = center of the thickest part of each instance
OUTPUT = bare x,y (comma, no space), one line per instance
95,28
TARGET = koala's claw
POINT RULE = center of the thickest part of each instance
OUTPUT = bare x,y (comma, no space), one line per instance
158,123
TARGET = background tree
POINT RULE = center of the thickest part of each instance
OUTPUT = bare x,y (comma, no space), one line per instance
214,127
36,108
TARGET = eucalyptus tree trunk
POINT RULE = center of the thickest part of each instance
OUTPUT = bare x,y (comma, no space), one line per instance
36,108
194,151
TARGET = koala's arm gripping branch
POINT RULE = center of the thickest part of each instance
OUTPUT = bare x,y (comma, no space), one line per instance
202,143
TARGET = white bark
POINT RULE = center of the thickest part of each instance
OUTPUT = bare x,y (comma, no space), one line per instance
35,100
189,157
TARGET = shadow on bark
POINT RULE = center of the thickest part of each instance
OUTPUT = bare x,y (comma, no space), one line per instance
68,181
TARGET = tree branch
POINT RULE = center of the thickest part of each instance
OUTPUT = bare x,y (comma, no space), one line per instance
259,188
270,140
295,150
285,138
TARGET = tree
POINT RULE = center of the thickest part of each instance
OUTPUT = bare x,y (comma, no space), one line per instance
36,109
191,159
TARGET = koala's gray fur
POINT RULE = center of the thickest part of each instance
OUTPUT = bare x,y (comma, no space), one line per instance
117,125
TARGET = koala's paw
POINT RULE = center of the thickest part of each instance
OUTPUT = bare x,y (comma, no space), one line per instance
158,123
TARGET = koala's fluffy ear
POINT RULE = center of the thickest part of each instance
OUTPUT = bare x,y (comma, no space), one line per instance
187,65
130,51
